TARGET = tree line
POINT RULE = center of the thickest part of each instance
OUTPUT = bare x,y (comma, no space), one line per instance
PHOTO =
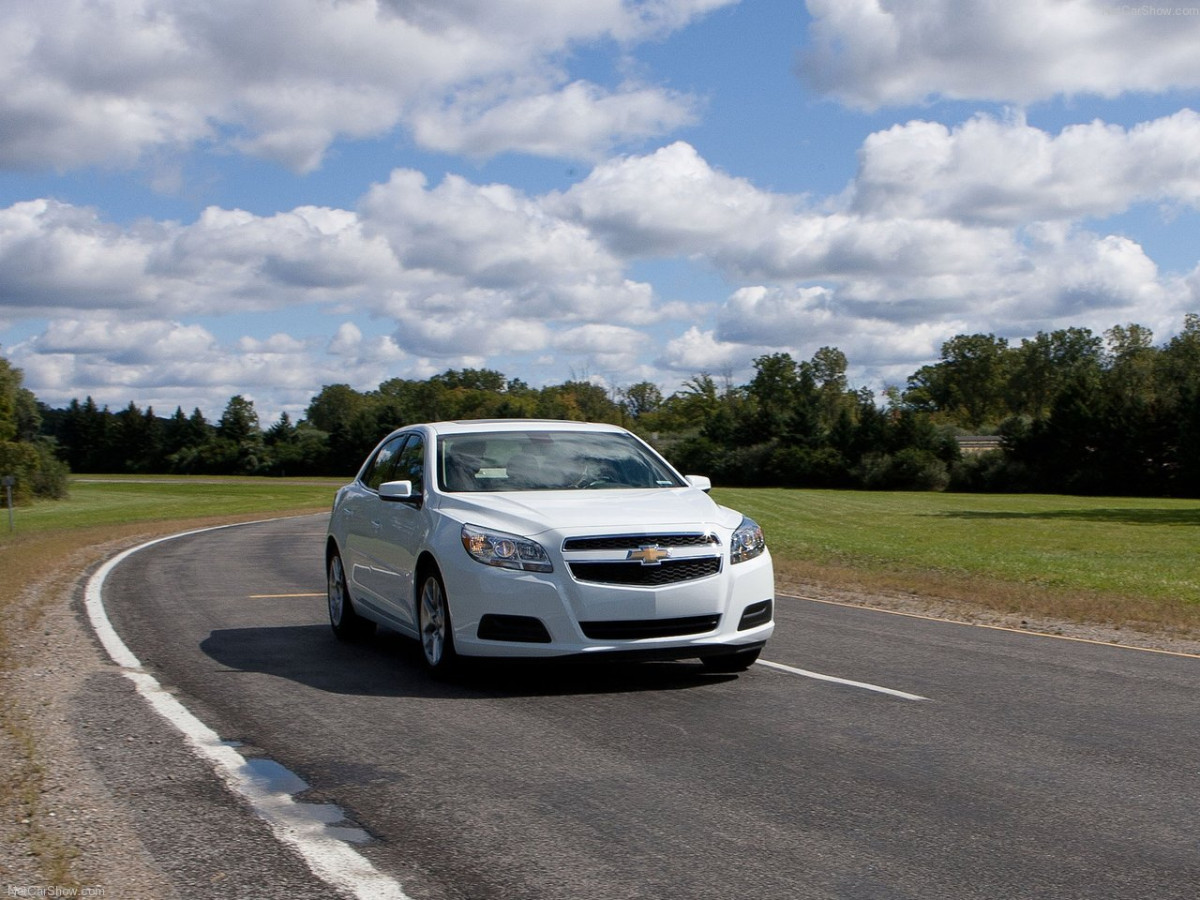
1072,412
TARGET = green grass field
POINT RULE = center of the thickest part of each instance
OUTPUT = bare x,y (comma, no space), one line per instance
1090,558
1106,559
123,500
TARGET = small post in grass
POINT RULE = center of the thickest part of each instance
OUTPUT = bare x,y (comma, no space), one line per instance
8,481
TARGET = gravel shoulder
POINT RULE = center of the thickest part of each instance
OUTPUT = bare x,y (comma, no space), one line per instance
96,781
65,825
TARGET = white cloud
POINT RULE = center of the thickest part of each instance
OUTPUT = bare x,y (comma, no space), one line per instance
1063,277
125,343
231,260
578,120
346,341
492,233
698,350
1007,172
156,362
463,274
671,202
800,320
58,257
493,238
55,255
871,53
499,330
764,316
111,82
611,349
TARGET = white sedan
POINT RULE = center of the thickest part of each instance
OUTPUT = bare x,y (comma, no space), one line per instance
531,538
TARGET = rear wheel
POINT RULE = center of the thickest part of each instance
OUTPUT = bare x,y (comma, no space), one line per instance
433,623
346,623
731,662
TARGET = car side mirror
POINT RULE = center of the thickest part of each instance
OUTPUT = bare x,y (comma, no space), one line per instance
401,491
703,482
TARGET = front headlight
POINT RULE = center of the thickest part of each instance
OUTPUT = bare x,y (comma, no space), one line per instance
747,542
508,551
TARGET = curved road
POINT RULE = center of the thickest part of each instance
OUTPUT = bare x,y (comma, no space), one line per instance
1034,768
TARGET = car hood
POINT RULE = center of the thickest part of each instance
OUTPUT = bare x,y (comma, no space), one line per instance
534,512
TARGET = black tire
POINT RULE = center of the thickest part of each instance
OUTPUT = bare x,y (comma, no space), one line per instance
433,625
346,623
731,662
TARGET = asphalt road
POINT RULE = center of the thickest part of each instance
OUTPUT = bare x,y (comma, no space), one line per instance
1035,768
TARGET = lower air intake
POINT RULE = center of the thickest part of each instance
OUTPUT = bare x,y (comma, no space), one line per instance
635,629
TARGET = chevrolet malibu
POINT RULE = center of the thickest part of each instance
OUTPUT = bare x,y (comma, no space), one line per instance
525,538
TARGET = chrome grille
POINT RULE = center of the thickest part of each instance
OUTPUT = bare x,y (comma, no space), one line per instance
669,571
643,560
633,541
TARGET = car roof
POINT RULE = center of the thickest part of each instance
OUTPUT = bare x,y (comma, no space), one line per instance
470,426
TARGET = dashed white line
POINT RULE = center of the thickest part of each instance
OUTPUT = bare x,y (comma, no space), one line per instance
805,673
330,859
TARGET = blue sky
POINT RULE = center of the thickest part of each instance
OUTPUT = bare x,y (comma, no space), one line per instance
262,197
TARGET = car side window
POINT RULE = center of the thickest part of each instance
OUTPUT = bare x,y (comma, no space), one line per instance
384,464
410,464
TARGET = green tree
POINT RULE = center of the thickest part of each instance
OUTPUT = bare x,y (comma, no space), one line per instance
697,402
968,386
1044,365
281,432
85,437
239,421
1179,388
472,380
642,400
579,401
181,431
784,402
335,406
23,453
828,367
136,440
12,400
238,447
1131,356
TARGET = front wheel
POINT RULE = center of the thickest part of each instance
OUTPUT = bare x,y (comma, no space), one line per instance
433,623
346,623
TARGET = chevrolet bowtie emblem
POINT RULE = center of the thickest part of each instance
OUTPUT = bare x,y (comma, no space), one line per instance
649,555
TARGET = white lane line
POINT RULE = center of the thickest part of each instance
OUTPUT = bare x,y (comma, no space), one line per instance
891,692
333,861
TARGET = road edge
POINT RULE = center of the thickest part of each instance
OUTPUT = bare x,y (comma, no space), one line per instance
332,860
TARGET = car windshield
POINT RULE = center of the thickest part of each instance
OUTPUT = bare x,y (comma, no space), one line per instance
548,461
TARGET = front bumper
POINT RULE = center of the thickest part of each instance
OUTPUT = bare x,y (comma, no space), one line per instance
505,613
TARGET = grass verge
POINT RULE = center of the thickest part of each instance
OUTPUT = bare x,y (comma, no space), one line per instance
1124,562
